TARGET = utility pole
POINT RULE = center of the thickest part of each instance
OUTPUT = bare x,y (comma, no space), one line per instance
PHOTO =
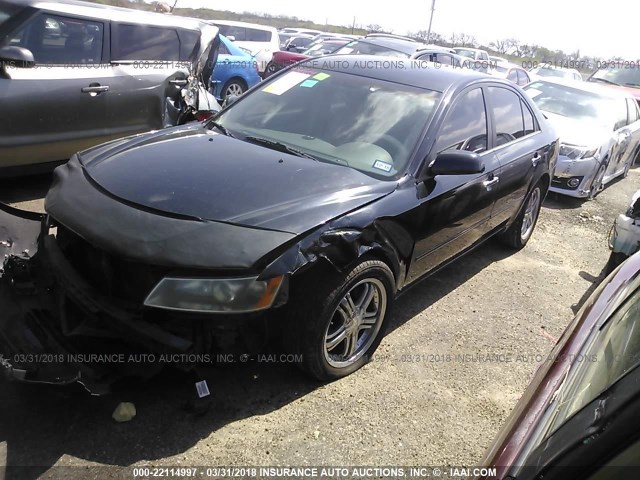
353,27
176,2
433,7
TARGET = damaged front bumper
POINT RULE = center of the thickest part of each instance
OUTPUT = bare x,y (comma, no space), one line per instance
57,328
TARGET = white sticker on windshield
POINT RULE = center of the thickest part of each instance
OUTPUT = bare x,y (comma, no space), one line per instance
532,92
285,83
384,166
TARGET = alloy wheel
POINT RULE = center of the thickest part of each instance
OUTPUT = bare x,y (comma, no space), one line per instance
355,323
530,214
234,89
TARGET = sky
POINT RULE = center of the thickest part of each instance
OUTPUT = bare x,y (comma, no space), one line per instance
602,29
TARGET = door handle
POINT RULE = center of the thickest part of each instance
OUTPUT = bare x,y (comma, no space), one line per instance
488,184
178,83
536,159
95,89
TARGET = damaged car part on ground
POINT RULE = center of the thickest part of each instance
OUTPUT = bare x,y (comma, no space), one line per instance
111,72
269,222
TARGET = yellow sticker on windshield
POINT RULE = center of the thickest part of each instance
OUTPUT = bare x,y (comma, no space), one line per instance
285,83
321,76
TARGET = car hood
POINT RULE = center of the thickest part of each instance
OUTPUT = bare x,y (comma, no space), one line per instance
578,132
197,173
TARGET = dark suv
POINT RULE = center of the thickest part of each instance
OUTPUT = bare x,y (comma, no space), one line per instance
95,73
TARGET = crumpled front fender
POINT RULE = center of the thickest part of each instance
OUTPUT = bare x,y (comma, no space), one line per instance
19,233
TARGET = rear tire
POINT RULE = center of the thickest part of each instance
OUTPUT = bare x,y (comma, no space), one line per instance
233,87
520,231
615,259
336,321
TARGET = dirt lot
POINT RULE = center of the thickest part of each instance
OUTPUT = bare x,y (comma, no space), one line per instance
409,407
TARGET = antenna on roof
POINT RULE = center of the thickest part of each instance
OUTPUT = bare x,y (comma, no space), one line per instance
174,6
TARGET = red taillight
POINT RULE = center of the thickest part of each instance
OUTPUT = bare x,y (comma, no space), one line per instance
202,116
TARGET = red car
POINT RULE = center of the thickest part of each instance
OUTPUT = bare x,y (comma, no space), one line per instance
578,419
323,46
619,75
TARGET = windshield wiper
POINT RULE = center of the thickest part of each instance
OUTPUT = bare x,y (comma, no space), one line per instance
222,128
280,147
604,80
636,85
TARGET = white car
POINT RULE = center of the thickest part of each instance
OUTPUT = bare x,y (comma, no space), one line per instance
261,40
481,57
599,130
510,71
550,71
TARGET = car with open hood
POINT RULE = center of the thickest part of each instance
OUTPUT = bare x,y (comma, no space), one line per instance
102,73
267,222
599,132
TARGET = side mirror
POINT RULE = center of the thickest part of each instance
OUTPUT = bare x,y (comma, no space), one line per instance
459,162
16,57
230,100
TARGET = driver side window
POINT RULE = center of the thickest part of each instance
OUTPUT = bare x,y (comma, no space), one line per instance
465,128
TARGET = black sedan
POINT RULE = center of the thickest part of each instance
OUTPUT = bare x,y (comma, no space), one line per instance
210,237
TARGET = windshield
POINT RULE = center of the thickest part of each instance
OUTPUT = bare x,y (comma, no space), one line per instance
366,48
622,76
571,102
363,123
321,48
466,53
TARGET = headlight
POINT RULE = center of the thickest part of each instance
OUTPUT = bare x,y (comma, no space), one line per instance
230,295
575,152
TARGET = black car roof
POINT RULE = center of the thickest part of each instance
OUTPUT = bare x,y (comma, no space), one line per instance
406,71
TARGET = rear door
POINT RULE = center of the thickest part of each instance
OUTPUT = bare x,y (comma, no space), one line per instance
516,146
59,107
455,209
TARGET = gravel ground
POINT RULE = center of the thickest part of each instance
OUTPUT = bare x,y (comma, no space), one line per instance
421,402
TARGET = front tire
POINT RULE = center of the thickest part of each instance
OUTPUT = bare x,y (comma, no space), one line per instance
338,321
520,231
596,184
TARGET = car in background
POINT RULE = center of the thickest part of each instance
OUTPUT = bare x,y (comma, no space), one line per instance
300,31
620,76
578,416
260,40
298,43
383,45
235,71
443,56
549,71
599,133
481,57
511,72
301,210
128,71
282,60
498,59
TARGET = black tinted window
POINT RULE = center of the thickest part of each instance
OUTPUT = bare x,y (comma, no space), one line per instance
238,33
466,125
142,42
59,40
507,114
256,35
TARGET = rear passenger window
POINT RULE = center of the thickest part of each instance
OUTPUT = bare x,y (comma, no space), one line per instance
143,42
238,33
466,125
56,40
507,114
523,78
513,76
256,35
